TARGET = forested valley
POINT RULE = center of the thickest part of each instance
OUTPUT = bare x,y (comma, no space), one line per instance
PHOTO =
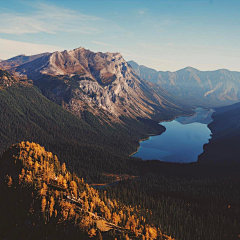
158,201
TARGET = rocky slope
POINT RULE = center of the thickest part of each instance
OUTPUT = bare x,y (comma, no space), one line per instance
102,83
209,88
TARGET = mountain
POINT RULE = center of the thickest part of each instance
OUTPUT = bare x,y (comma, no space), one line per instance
18,60
206,88
102,83
223,147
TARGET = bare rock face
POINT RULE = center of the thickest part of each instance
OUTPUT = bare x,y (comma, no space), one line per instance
6,80
81,79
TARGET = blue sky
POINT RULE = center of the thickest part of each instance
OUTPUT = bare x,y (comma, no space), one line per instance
162,34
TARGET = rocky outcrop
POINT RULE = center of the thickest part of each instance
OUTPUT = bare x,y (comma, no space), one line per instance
6,80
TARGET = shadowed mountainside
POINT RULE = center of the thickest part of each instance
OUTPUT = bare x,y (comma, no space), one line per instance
223,148
19,60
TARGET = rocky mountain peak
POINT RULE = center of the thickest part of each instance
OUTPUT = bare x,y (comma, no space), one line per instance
102,67
188,70
224,71
79,48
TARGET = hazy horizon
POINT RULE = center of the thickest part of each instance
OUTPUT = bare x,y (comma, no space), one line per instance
163,35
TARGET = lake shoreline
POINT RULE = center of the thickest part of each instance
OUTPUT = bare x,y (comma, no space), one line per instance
182,143
150,135
144,139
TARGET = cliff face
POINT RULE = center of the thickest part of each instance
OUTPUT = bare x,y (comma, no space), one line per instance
103,83
209,88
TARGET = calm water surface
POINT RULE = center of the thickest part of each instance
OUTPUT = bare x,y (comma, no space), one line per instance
182,141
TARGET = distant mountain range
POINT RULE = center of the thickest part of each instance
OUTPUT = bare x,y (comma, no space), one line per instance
204,88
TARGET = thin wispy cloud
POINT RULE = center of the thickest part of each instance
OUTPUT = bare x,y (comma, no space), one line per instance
141,12
20,24
101,43
49,19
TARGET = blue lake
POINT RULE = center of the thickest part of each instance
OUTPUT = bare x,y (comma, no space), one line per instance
182,141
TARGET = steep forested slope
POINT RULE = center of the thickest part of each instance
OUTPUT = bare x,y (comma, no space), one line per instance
53,203
223,148
168,199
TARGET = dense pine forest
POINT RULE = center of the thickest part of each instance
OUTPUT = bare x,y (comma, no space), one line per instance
187,201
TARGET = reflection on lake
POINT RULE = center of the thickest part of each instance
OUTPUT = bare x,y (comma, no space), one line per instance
182,141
